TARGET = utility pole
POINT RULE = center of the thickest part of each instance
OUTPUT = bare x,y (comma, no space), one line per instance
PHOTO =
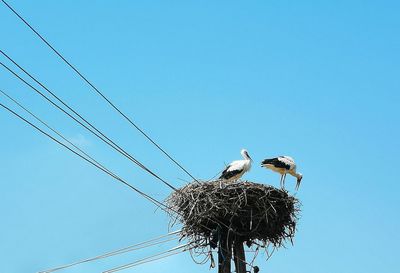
226,245
239,256
224,252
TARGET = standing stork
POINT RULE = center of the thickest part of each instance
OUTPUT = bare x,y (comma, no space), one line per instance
283,165
237,168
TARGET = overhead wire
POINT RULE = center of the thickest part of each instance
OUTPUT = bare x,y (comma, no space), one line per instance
96,163
158,256
54,104
84,123
120,150
98,91
49,127
109,102
148,197
93,87
80,75
138,246
139,262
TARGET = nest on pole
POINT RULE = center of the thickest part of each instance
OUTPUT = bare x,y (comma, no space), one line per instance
255,213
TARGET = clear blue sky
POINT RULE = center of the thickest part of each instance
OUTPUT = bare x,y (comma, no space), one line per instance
317,80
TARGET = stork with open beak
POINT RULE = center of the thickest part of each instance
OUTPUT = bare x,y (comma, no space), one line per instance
283,165
237,168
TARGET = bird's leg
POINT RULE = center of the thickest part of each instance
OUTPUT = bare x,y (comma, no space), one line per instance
283,182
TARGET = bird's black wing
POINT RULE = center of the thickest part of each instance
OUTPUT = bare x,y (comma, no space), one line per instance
276,162
229,174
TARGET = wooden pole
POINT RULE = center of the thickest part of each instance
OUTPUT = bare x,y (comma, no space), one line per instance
239,256
224,254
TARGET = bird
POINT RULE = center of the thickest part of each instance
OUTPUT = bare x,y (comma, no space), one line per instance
283,165
237,168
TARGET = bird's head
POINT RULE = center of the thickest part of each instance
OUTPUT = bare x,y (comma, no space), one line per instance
299,178
245,154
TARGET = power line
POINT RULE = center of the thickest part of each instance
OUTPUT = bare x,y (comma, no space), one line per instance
95,163
53,130
50,128
102,168
148,260
96,131
148,197
54,104
120,150
113,144
107,256
78,122
98,91
72,144
142,245
158,256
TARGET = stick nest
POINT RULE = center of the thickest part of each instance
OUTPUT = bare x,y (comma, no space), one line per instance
255,213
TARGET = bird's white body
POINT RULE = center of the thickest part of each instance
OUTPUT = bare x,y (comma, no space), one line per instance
237,168
239,165
283,165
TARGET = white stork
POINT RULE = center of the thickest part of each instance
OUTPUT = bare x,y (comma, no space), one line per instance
237,168
283,165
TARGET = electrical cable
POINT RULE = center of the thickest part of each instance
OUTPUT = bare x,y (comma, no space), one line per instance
54,104
148,197
97,132
167,253
50,128
66,139
98,91
142,245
